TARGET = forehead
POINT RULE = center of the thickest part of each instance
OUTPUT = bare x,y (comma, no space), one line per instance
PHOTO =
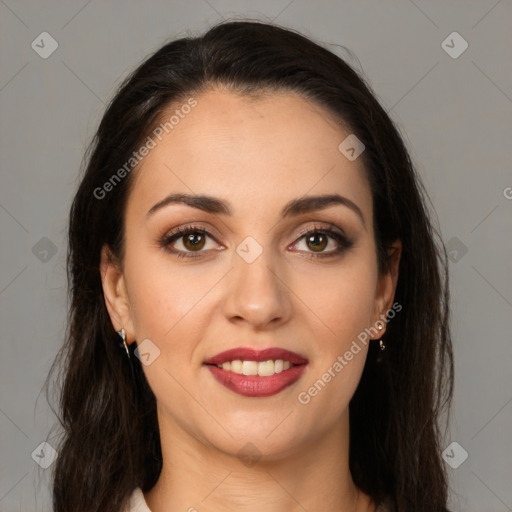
256,152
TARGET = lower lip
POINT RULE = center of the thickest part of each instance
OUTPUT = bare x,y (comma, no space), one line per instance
254,385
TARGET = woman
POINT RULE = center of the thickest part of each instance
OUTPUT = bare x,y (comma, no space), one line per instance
259,300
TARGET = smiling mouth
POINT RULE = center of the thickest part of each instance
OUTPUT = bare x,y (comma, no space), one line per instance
257,373
260,368
256,378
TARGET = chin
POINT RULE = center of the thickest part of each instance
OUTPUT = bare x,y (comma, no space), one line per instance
254,439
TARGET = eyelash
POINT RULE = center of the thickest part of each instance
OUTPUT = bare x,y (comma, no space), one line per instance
343,242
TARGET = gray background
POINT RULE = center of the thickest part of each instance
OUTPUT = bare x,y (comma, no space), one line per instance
454,113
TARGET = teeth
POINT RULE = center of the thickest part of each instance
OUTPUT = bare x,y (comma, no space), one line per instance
263,369
250,368
266,368
236,366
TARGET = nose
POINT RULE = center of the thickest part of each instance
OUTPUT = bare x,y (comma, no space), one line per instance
257,294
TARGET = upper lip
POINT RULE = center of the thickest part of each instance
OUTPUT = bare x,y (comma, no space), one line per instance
251,354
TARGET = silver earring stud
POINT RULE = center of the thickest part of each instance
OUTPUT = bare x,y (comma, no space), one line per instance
381,343
122,333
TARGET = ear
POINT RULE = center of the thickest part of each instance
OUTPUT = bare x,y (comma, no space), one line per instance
386,285
116,296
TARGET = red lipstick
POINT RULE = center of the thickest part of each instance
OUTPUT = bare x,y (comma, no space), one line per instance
251,354
256,385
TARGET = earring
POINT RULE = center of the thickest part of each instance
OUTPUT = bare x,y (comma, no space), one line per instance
122,333
381,343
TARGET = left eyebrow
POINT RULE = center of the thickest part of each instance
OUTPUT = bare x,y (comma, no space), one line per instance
309,204
294,207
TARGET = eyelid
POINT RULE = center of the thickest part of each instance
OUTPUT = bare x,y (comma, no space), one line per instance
193,227
329,227
168,233
331,230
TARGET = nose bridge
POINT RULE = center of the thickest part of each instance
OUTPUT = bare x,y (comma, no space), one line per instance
256,293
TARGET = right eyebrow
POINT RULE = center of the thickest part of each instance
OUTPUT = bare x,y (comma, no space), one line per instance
202,202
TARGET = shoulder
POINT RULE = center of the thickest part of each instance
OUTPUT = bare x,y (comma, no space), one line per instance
137,502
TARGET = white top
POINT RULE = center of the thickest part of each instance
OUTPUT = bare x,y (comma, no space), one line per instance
138,503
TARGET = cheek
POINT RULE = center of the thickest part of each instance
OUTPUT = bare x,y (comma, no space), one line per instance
341,305
339,351
170,307
340,298
162,297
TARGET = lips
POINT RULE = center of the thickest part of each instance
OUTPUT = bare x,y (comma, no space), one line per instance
249,354
257,385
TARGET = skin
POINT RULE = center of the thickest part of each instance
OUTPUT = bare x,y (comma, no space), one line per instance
257,154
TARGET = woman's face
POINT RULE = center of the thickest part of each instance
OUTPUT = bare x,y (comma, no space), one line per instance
255,278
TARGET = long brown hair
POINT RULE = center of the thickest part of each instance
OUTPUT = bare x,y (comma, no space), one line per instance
110,439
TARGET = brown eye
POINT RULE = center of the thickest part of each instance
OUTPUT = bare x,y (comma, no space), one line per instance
188,241
317,241
194,241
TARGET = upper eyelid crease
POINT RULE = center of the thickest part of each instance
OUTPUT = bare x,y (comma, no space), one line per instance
295,207
339,238
330,228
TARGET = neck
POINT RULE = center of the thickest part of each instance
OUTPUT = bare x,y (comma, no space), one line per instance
197,476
